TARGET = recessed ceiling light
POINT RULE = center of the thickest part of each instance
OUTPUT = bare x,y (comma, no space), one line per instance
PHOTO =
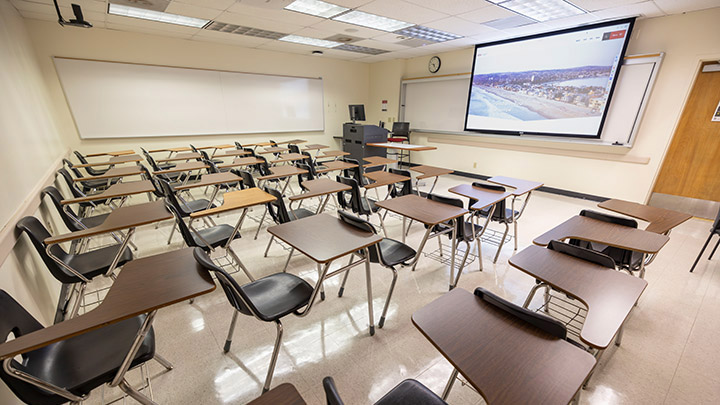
418,31
541,10
310,41
316,7
372,21
158,16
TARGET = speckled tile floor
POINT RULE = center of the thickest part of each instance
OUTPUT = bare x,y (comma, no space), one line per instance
668,353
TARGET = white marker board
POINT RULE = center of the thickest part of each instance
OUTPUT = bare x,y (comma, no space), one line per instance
439,104
112,100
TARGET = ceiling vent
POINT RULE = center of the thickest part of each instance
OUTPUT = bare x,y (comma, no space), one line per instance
415,42
361,49
345,39
241,30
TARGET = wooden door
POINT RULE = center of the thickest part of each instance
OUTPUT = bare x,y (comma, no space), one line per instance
692,165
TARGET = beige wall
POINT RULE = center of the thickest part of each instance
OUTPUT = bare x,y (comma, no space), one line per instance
686,39
344,82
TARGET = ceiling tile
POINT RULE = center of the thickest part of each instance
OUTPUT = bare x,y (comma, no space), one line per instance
313,33
38,16
340,54
227,38
189,10
452,7
388,46
594,5
350,3
573,21
216,4
290,47
646,9
87,5
32,7
487,14
348,29
257,22
277,14
403,11
677,7
146,30
390,37
458,26
529,29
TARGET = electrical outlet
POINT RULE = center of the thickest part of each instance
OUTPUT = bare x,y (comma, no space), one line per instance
474,165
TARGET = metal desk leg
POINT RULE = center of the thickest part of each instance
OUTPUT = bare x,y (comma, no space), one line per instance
119,380
642,266
119,254
403,228
422,245
237,228
452,254
322,283
212,197
368,281
448,386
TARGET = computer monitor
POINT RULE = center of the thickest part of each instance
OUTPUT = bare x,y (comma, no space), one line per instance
401,128
357,112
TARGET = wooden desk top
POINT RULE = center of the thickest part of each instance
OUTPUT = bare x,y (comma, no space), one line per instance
661,220
288,157
116,190
323,238
335,165
333,153
422,209
318,187
257,144
221,146
113,173
283,394
180,156
119,219
484,197
238,199
315,146
430,171
402,146
275,149
115,160
183,167
609,295
377,161
142,286
212,179
282,171
505,359
521,186
592,230
243,161
115,153
236,152
292,141
178,149
383,178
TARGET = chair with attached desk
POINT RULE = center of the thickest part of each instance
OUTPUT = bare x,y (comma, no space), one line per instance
354,200
88,186
204,155
624,259
715,230
356,172
89,169
268,299
154,164
70,369
177,177
72,220
501,214
184,208
85,208
75,270
281,215
402,188
408,392
388,253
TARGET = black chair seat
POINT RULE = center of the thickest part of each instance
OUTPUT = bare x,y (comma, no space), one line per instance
215,236
86,361
410,392
508,212
165,166
394,252
300,213
619,257
97,184
277,295
96,262
368,205
93,221
188,207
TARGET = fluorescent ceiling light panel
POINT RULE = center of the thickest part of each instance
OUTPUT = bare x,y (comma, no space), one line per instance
316,7
372,21
542,10
158,16
310,41
430,34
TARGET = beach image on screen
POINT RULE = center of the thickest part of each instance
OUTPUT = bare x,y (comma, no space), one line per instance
556,84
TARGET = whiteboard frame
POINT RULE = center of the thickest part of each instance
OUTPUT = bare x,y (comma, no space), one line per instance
77,129
655,59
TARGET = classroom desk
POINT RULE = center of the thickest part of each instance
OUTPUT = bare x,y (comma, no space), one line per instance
119,219
115,160
256,144
332,154
484,198
275,149
402,146
221,146
117,190
180,156
592,230
430,171
661,220
315,146
234,153
115,153
288,157
183,167
212,179
319,188
280,172
521,187
242,161
377,161
292,141
335,165
504,358
429,213
172,150
144,286
323,239
609,295
113,173
383,178
283,394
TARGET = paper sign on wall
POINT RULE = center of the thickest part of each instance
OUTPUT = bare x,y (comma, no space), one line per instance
384,105
716,116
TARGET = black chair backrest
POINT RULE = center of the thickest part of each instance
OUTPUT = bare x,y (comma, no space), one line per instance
247,179
613,219
184,229
151,160
499,214
204,156
212,167
56,199
273,143
308,160
306,176
460,221
355,172
401,129
80,157
194,149
622,256
72,167
238,146
543,322
89,169
158,190
70,183
402,188
582,253
171,197
37,233
235,295
16,320
332,396
277,208
294,148
263,167
362,225
354,203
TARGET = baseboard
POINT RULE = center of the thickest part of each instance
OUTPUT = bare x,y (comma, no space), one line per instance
545,189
